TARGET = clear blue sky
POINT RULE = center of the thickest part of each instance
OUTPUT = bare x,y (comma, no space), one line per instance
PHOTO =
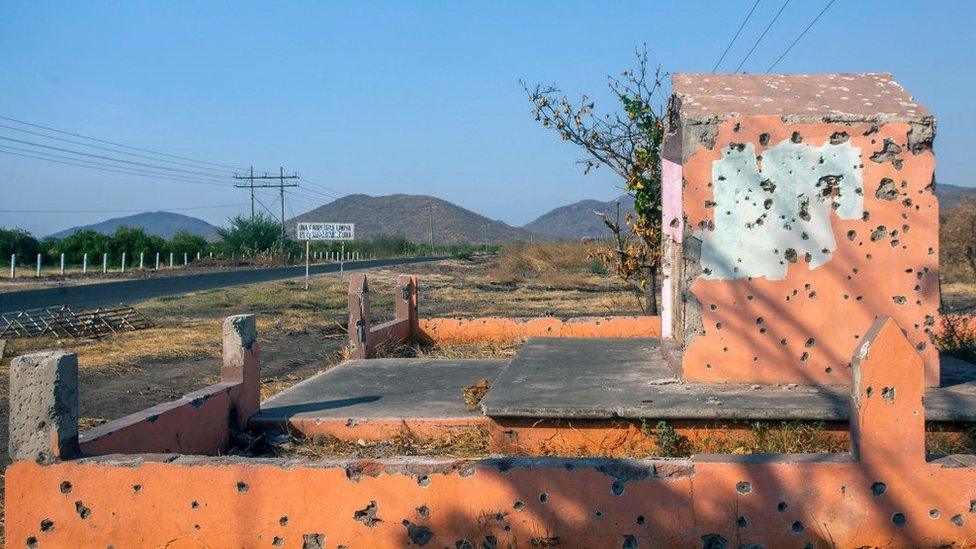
412,97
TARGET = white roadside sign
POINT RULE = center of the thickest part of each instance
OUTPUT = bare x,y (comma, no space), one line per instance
326,231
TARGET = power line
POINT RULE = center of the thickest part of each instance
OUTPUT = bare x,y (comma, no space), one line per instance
815,19
321,186
110,149
727,48
761,36
63,132
125,172
188,208
103,157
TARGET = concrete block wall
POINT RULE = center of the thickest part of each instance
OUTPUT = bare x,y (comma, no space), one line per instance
796,208
885,493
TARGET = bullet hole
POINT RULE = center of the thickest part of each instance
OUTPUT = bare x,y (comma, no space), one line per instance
83,512
829,186
934,514
828,370
957,520
194,505
674,223
283,521
617,488
544,497
810,343
718,325
764,139
463,544
630,542
65,487
790,255
277,541
714,541
888,394
743,487
767,185
837,138
709,204
640,520
797,527
313,541
242,487
783,342
742,522
518,506
490,542
889,153
598,513
899,520
972,506
852,235
713,306
47,525
367,515
137,488
796,137
869,391
423,480
424,511
32,542
782,506
768,203
804,357
879,233
886,190
418,534
899,299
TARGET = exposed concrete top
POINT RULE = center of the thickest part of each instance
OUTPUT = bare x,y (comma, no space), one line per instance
629,378
847,96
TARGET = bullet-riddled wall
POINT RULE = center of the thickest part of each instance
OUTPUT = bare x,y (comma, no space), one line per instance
796,208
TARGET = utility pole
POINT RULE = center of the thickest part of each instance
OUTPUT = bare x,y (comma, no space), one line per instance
430,217
281,177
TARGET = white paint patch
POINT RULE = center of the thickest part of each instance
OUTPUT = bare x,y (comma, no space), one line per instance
771,215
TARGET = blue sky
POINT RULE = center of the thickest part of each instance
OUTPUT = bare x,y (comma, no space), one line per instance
411,97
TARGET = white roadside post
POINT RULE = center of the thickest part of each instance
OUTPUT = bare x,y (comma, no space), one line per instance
84,264
308,261
123,262
38,265
104,262
186,259
198,256
62,264
157,261
142,260
171,260
13,265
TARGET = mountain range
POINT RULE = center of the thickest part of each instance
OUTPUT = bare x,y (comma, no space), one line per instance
413,216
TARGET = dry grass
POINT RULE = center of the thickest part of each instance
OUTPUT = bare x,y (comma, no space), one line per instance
558,263
469,442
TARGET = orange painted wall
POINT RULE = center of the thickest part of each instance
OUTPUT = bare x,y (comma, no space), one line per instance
514,329
803,328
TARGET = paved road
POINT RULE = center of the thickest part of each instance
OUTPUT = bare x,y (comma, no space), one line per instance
129,291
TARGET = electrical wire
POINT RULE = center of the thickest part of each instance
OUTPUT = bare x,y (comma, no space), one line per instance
761,36
815,19
727,48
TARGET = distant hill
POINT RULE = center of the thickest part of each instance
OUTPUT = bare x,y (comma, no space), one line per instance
950,195
410,216
164,224
578,220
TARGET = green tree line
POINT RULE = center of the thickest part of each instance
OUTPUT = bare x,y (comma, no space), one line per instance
242,238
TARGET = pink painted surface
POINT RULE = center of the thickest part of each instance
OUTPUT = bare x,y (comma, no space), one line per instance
671,199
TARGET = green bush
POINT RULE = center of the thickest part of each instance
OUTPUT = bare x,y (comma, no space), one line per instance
18,241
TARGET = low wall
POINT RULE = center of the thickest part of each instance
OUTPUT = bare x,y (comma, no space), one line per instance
499,329
883,493
201,422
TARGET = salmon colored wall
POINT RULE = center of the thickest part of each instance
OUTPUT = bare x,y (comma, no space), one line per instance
804,327
514,329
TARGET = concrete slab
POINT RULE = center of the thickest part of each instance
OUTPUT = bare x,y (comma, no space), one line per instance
629,378
382,388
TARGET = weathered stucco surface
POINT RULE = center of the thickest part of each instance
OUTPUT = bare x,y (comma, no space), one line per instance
872,240
772,212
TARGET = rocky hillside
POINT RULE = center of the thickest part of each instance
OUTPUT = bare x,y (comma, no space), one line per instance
410,216
578,220
164,224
